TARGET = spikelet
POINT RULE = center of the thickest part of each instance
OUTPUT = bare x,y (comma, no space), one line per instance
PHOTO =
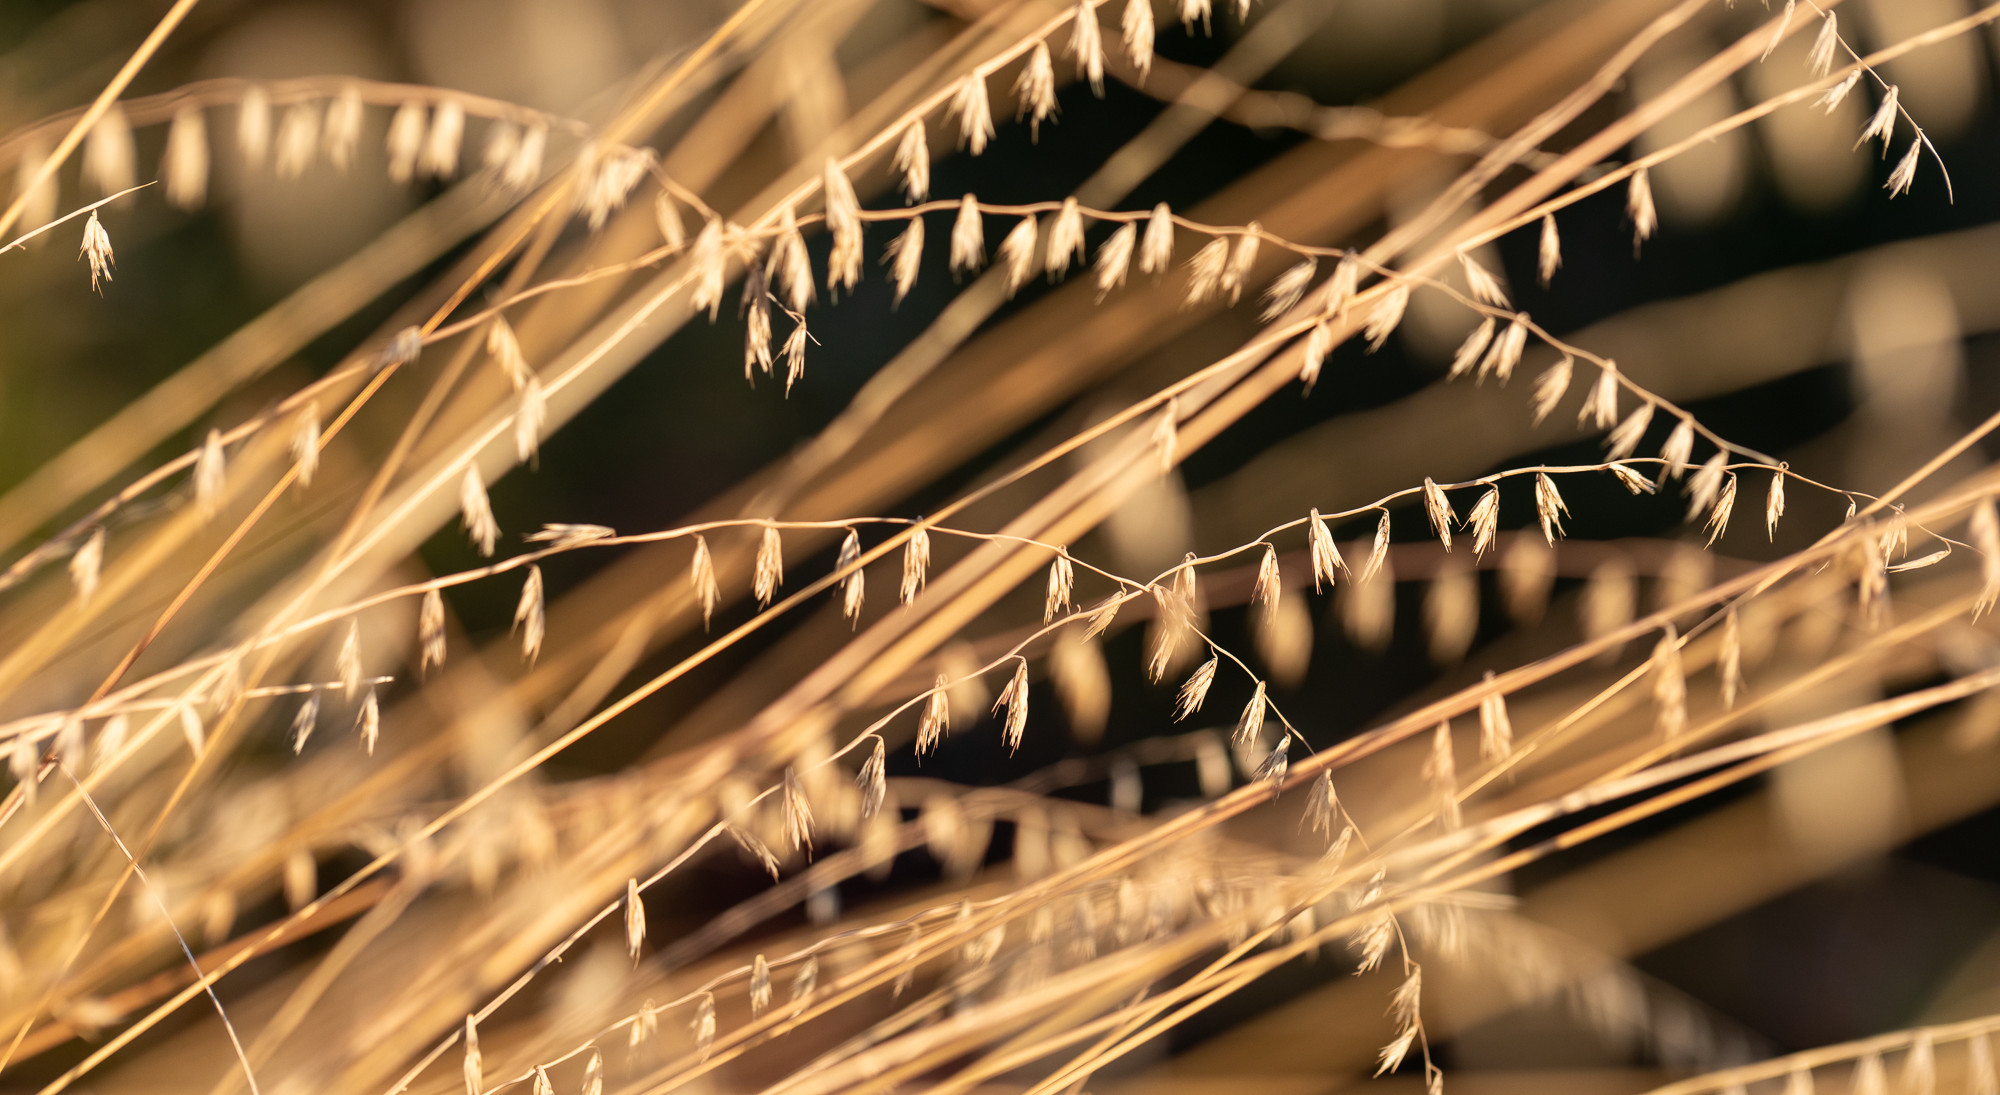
916,563
1035,90
1062,584
430,631
968,237
768,573
1549,256
1600,407
1386,315
805,981
1250,725
1799,1082
1832,97
673,230
1378,549
1101,615
760,985
1496,730
298,139
797,810
873,780
1549,508
974,113
1325,554
23,760
528,614
853,588
1669,685
86,565
904,257
210,472
1624,440
1608,600
1505,353
505,350
792,267
1065,240
1194,690
935,721
475,1079
503,143
1195,11
1288,288
1270,584
1451,611
1166,435
1904,175
843,221
526,166
1473,348
368,721
1017,253
1984,529
1156,250
1485,288
184,165
1819,61
1438,508
1484,520
96,250
1678,449
1729,662
1242,258
253,126
476,512
1527,574
913,159
1136,28
304,721
1631,480
1205,272
1551,386
1014,697
1639,207
1114,258
609,172
1725,502
406,141
1322,806
756,309
529,418
1275,764
1882,123
1920,1067
1979,1064
710,262
593,1073
108,156
1868,1076
1441,769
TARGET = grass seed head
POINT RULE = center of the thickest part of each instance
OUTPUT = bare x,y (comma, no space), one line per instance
1549,257
184,166
1065,240
1136,27
96,250
1035,90
298,139
913,159
1438,508
1156,251
1086,45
